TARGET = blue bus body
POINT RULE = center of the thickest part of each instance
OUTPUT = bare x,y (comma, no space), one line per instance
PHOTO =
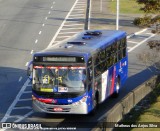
102,55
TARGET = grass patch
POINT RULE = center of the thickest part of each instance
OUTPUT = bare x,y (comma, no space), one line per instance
126,7
147,110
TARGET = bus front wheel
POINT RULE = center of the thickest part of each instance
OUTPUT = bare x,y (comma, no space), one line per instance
95,105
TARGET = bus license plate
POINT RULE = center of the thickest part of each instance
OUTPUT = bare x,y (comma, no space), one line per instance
57,109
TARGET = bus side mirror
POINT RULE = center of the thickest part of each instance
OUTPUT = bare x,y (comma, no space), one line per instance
29,70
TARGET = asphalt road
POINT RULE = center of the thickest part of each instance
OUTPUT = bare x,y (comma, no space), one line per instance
27,26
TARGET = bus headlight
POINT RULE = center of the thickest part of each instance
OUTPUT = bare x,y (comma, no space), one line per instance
83,100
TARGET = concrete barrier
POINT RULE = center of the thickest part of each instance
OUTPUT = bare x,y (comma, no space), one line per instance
139,94
127,103
115,114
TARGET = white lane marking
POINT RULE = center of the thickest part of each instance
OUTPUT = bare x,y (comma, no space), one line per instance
141,43
78,12
46,18
53,39
32,51
25,99
24,107
43,24
71,28
133,42
49,12
68,33
68,22
27,63
78,9
15,101
81,4
73,25
56,41
51,7
26,115
27,92
36,41
77,15
40,32
20,79
74,18
53,3
63,36
149,33
141,31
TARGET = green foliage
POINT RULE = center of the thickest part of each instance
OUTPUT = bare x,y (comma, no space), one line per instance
156,19
150,6
145,21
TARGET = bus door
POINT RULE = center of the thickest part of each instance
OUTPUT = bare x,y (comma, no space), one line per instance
90,84
110,80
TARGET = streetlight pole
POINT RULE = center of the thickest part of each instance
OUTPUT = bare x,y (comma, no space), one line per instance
87,15
117,19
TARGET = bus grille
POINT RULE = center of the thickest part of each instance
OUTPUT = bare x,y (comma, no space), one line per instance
64,110
59,103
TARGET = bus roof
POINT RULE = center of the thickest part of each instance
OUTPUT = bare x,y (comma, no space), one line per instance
84,43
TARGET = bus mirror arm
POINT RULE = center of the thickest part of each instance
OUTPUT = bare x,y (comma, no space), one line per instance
29,71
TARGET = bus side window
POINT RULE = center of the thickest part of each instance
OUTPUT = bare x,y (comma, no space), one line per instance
108,51
102,55
124,43
114,47
97,71
120,54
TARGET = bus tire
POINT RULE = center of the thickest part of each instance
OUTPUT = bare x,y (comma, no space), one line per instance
95,102
116,93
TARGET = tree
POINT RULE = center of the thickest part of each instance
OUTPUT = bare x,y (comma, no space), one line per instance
150,6
151,58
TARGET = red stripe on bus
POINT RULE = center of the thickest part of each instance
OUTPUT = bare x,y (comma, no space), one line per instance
113,79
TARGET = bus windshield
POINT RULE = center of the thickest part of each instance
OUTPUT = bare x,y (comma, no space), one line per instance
59,79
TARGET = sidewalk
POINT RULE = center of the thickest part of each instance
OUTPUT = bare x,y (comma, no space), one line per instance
102,18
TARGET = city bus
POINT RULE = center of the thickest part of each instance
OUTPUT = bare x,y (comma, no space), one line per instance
77,74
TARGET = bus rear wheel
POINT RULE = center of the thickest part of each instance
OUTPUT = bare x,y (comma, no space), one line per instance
116,93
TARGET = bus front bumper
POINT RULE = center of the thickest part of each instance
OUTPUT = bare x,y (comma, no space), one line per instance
65,109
